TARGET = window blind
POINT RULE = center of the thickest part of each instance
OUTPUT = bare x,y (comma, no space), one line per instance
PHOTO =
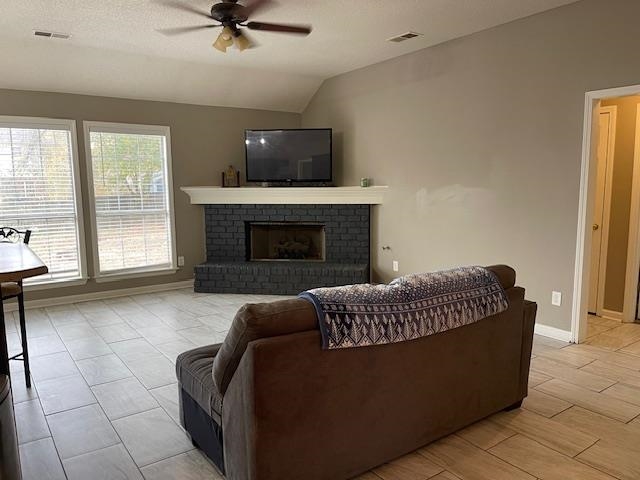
38,192
131,201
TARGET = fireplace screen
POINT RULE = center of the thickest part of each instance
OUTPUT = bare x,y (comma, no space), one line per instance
286,241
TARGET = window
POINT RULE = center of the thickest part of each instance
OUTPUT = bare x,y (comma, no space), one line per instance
129,169
39,191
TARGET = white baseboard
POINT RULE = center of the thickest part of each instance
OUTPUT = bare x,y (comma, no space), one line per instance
86,297
552,332
612,314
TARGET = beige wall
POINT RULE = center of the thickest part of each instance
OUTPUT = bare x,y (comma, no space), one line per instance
620,200
204,141
480,141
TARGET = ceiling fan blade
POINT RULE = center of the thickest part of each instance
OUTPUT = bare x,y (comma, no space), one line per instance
180,30
276,27
253,6
184,7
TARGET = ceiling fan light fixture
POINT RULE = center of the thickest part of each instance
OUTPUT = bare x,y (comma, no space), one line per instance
219,45
224,40
242,42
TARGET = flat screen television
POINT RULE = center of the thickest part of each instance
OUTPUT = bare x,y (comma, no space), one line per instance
297,155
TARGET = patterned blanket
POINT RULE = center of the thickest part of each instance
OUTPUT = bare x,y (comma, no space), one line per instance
409,307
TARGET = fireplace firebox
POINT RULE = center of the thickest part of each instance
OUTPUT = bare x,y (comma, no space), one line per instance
285,241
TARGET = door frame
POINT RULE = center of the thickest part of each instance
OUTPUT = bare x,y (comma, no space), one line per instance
585,209
633,249
606,208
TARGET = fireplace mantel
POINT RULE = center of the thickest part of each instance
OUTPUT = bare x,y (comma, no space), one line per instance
286,195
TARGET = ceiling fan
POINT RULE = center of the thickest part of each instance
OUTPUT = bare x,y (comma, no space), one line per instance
231,15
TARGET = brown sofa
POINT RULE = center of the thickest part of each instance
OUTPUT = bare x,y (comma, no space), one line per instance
269,403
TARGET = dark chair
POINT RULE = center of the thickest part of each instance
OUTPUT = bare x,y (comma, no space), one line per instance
14,290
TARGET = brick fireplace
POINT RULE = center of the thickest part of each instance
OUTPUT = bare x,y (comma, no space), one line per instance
283,248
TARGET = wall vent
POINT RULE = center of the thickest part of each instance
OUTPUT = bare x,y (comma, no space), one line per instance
45,34
404,37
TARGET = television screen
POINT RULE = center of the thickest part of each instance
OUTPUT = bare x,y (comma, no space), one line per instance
288,155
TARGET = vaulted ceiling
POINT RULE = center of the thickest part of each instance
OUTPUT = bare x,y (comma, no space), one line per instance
115,49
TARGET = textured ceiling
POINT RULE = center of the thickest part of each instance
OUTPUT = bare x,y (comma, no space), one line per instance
116,51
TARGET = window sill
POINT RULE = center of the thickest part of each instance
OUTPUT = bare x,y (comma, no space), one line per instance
61,283
138,274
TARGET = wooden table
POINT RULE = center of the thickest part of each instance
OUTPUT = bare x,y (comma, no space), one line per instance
17,262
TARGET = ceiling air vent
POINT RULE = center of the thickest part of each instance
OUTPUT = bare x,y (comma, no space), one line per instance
43,33
404,36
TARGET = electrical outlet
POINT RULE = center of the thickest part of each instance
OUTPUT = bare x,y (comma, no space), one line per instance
181,261
396,267
556,298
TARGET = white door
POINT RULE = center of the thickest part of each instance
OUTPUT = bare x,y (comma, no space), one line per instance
600,224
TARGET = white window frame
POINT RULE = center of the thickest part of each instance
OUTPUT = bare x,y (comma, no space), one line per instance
129,128
8,121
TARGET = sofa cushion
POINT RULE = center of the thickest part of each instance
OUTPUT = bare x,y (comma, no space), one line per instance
193,369
262,320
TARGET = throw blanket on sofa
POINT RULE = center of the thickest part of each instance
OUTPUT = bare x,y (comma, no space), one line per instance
409,307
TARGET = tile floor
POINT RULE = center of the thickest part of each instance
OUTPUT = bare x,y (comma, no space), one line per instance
104,402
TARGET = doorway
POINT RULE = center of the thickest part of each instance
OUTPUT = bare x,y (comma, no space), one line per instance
608,242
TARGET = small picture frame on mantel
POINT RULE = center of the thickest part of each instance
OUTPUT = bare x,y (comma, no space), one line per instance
231,177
